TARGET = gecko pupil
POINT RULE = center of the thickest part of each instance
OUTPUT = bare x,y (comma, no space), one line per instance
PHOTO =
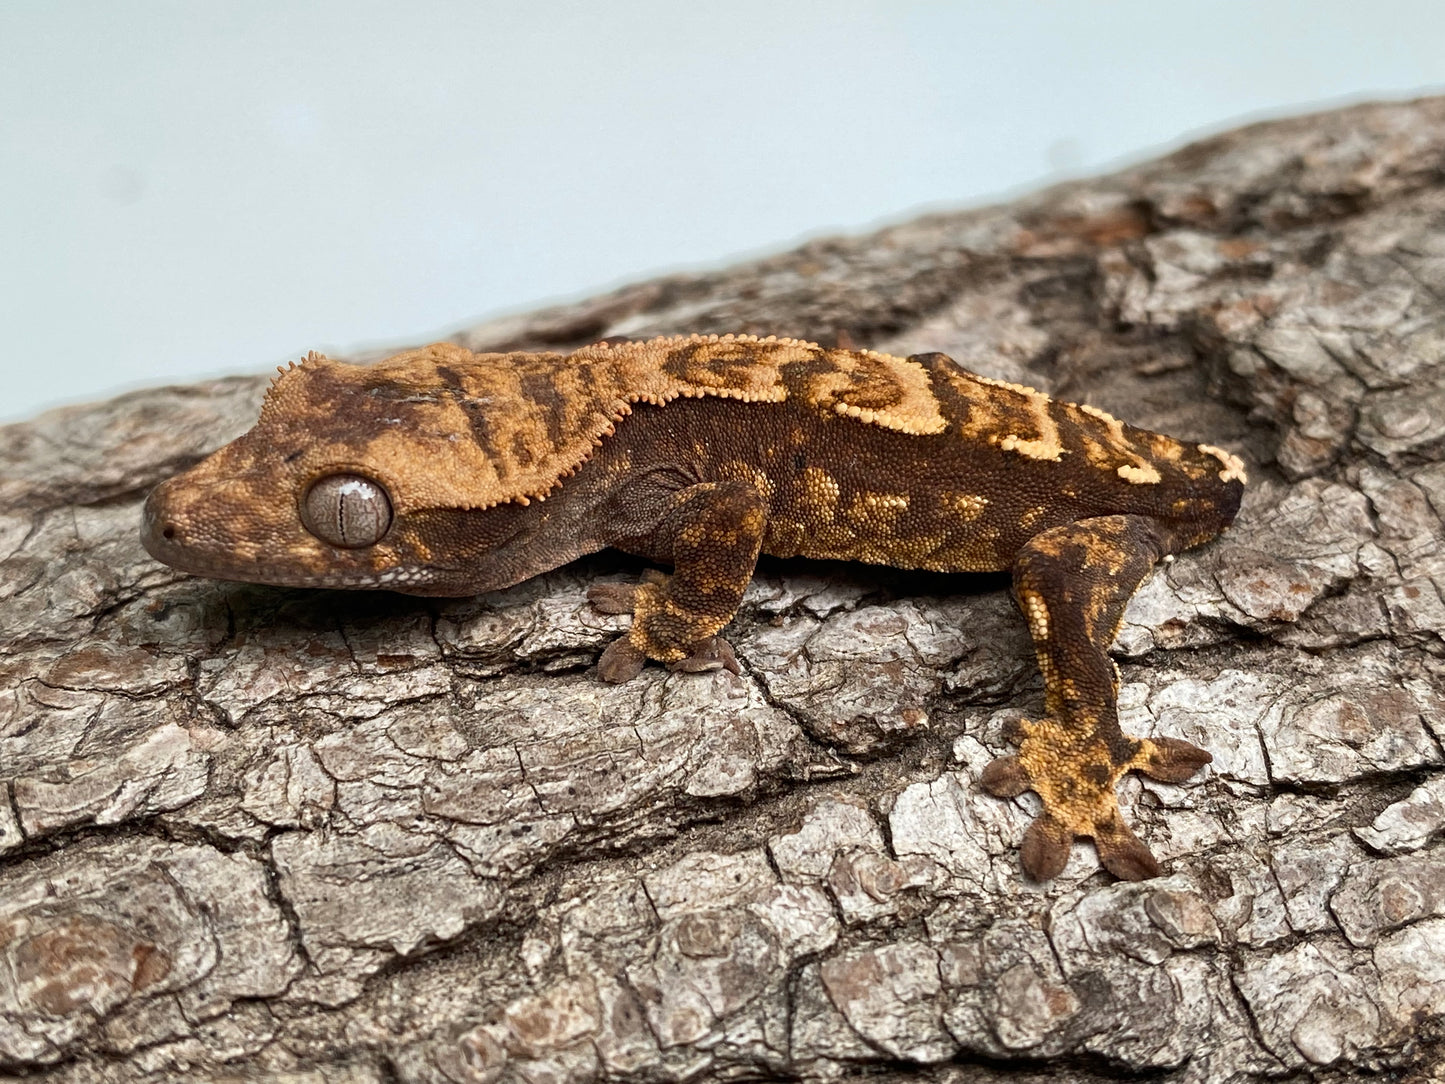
346,510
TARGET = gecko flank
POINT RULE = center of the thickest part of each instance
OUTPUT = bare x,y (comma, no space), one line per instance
443,472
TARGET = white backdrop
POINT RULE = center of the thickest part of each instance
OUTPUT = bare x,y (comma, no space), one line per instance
191,189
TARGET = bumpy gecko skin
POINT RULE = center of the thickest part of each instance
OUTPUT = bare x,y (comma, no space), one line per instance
443,472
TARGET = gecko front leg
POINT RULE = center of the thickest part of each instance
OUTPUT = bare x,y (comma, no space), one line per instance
711,532
1072,583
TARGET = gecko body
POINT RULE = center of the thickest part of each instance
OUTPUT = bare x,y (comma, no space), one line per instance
444,472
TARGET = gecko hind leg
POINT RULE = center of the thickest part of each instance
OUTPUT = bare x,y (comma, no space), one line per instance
1073,582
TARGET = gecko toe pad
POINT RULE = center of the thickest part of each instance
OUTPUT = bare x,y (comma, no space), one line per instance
613,598
621,598
1170,760
714,653
1005,778
1045,848
620,662
1122,853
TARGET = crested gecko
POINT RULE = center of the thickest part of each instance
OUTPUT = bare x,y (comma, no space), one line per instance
443,472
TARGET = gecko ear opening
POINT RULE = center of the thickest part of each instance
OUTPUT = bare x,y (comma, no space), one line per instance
346,510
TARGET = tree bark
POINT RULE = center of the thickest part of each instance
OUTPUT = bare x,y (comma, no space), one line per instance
262,834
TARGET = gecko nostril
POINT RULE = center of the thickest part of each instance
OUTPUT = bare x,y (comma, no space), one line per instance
168,532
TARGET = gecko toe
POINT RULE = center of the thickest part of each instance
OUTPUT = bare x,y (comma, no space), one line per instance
1171,760
613,598
1014,731
1122,853
1005,778
620,662
621,598
714,653
1045,848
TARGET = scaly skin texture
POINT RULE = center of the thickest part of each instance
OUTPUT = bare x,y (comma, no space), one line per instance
443,472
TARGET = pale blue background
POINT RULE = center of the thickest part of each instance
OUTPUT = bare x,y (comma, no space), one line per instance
198,188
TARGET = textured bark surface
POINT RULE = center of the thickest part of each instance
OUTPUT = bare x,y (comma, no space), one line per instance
258,834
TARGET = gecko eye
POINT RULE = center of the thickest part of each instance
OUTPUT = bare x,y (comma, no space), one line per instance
346,510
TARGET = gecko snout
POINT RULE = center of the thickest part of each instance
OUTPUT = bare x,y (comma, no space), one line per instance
159,528
170,529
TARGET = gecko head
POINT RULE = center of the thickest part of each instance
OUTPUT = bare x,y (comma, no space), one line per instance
228,519
333,487
253,512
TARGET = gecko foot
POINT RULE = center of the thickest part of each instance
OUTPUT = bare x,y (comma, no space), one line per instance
624,657
622,661
1074,771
